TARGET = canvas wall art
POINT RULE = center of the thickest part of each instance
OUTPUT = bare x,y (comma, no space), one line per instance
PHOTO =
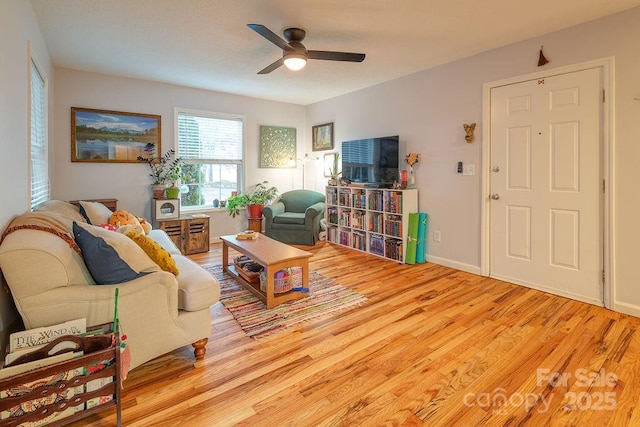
277,147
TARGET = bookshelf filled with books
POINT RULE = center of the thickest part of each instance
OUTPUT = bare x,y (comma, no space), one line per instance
372,220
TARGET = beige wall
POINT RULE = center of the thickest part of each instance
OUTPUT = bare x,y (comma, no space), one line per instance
427,110
130,183
18,27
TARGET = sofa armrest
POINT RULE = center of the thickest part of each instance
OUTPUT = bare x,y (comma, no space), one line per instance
147,309
273,210
313,211
153,292
312,216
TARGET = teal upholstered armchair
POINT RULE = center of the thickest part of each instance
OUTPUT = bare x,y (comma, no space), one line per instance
295,217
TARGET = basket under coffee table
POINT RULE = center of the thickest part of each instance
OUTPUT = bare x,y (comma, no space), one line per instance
274,256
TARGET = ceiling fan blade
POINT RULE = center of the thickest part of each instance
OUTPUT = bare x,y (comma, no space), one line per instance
270,68
335,56
269,35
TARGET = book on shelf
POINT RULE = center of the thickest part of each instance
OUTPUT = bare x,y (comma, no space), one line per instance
43,335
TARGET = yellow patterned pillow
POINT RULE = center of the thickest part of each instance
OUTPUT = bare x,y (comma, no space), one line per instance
154,251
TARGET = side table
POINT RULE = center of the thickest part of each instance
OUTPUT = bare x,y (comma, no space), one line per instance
255,224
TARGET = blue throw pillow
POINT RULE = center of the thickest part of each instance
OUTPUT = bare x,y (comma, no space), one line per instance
111,257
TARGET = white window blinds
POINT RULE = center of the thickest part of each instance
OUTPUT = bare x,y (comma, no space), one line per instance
209,138
40,186
212,148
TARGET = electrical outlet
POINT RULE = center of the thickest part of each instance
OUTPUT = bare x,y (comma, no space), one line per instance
436,236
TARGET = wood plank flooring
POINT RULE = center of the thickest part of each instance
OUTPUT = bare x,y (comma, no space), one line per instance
433,346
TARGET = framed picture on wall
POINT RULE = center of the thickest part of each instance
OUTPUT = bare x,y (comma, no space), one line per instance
322,137
277,147
113,136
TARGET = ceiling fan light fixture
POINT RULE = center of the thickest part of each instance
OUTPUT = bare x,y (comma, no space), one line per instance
295,62
294,54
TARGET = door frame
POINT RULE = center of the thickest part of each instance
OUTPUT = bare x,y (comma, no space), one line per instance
606,157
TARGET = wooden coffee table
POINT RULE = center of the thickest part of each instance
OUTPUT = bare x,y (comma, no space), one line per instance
272,255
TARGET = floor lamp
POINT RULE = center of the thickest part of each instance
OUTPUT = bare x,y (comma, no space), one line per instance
306,159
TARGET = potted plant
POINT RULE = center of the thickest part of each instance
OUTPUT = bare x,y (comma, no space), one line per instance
163,170
173,174
333,170
254,201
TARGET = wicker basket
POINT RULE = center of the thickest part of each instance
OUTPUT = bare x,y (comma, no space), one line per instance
242,265
280,284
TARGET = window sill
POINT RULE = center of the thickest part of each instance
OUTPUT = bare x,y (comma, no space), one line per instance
202,210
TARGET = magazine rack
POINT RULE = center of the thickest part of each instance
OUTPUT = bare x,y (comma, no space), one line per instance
41,404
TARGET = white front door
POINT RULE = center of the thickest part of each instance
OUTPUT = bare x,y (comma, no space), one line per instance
546,184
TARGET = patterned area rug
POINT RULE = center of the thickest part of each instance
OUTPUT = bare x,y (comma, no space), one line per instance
325,299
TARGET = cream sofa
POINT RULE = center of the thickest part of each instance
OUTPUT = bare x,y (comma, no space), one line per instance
158,312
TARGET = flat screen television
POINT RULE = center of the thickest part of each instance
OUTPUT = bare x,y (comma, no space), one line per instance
371,161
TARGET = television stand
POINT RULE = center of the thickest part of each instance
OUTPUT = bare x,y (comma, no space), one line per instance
377,185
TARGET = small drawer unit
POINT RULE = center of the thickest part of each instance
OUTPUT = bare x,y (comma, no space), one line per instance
190,234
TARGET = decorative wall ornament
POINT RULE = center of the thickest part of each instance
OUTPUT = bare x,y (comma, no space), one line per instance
277,147
541,59
469,130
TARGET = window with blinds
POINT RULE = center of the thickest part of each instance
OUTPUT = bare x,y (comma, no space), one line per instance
211,146
40,186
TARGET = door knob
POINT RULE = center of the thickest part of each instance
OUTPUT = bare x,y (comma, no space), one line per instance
495,196
496,168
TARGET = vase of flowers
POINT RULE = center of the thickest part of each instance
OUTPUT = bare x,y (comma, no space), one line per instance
411,159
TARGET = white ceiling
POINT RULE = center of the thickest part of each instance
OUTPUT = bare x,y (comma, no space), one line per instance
206,43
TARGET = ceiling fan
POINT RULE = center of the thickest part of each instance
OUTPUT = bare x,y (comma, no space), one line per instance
294,54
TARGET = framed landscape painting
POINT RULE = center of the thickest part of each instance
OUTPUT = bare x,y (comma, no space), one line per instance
322,137
113,136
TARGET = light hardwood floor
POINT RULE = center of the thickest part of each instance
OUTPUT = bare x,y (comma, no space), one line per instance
433,346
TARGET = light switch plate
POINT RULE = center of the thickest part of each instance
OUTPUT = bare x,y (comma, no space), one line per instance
468,170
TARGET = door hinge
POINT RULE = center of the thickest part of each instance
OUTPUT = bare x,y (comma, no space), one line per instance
604,187
603,97
603,276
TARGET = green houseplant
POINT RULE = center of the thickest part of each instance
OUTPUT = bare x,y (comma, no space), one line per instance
254,201
333,170
164,170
